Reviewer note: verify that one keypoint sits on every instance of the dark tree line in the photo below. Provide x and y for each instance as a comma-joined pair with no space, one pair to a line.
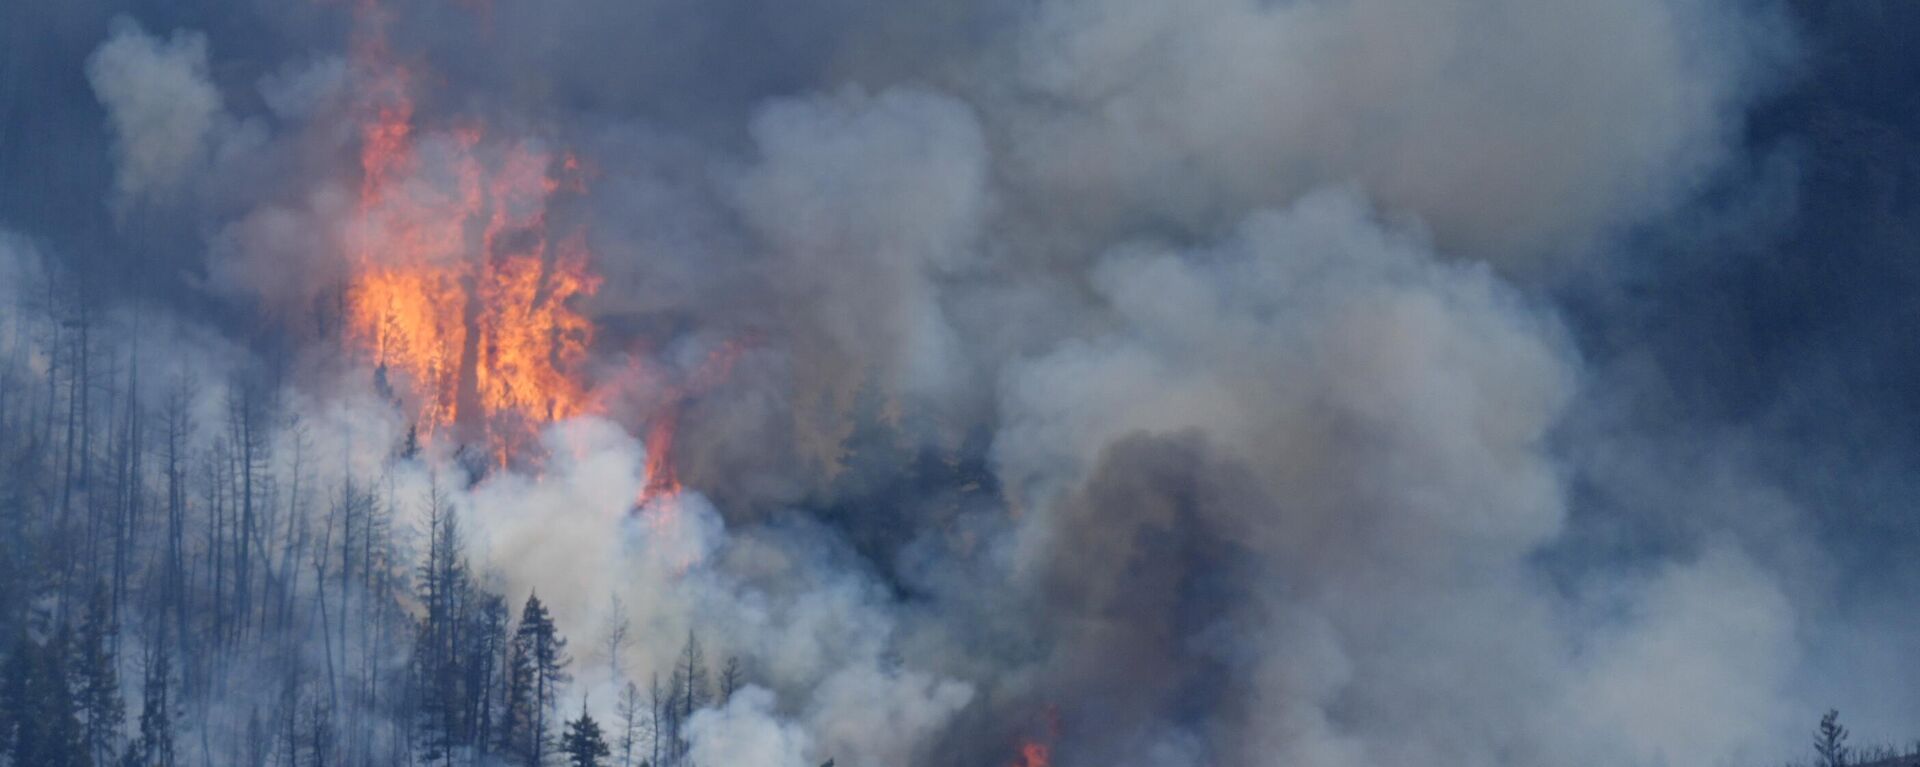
1830,749
186,579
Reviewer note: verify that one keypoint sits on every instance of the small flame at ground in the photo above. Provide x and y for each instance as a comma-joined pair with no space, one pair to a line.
1037,751
1033,754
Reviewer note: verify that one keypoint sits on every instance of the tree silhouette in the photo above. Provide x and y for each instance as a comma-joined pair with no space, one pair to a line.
1830,741
583,743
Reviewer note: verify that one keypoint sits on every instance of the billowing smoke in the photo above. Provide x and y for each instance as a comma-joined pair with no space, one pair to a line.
162,107
1510,129
1230,382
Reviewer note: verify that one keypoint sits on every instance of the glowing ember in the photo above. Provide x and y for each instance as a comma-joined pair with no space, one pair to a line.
457,293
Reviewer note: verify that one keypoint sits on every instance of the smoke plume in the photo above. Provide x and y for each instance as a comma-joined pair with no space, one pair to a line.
1128,383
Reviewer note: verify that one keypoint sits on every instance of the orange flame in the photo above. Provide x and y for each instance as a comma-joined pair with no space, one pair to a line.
457,294
661,477
662,480
1033,754
1037,751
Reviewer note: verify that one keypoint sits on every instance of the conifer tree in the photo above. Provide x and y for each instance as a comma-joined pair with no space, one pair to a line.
155,747
516,703
40,727
538,668
97,684
583,743
486,644
1830,741
439,649
16,691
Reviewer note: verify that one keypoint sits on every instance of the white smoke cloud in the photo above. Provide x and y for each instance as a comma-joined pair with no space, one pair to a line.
747,733
801,622
22,272
1352,433
297,90
1511,128
869,202
869,717
1697,673
1311,330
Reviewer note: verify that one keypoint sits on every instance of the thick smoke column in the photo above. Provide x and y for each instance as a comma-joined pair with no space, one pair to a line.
1076,382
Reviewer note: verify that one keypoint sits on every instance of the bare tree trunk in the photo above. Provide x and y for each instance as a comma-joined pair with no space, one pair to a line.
129,526
320,597
76,398
296,532
217,545
241,413
177,427
53,370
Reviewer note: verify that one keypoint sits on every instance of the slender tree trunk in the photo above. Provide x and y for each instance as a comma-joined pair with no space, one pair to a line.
176,512
320,597
130,525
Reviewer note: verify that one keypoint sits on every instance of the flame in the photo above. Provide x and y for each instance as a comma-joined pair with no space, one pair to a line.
1033,754
1036,750
662,480
458,294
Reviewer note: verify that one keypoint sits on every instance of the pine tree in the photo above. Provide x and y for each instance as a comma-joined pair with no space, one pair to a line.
64,741
41,727
1830,741
16,693
516,703
155,747
538,668
486,642
583,744
439,661
687,692
97,683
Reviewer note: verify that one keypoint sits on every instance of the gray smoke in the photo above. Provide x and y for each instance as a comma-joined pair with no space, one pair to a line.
1244,310
163,109
1510,128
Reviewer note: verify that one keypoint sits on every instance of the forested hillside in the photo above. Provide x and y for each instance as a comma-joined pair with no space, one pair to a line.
186,580
920,383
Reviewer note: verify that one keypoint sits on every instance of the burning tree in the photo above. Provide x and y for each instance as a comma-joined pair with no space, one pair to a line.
458,294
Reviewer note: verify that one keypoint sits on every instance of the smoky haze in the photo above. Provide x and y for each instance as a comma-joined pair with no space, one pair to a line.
1232,382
